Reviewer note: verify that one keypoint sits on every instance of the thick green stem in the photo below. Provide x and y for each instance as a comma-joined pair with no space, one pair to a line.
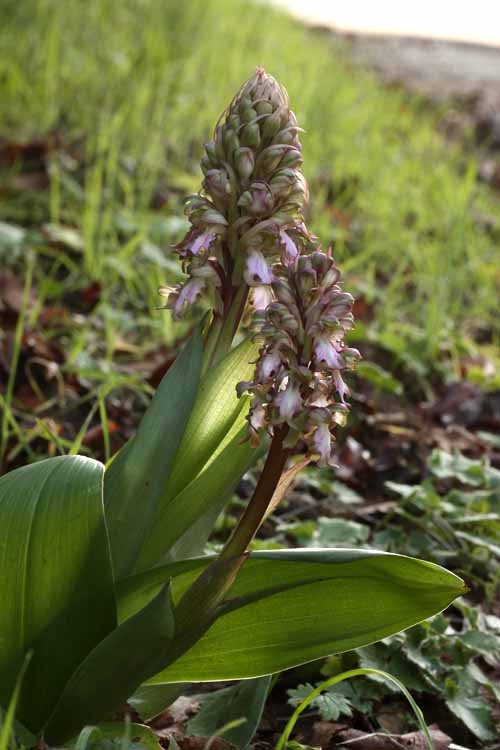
198,607
222,330
211,339
256,509
231,322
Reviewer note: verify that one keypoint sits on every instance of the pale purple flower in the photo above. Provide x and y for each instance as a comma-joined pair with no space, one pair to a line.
340,386
298,379
202,241
322,443
188,295
291,251
289,400
257,417
257,271
269,365
326,353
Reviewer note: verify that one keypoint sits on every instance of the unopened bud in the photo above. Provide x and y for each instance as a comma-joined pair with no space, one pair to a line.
258,200
292,158
231,142
244,162
320,262
217,183
205,164
250,135
264,108
283,292
211,150
249,114
219,145
282,182
233,122
272,124
270,158
289,136
214,217
306,281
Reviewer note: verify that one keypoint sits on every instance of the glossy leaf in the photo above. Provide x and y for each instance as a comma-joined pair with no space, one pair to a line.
288,607
151,700
55,575
136,480
245,700
205,496
216,409
115,735
113,670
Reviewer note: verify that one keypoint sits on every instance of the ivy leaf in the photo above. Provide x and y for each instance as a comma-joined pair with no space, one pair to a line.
483,643
463,701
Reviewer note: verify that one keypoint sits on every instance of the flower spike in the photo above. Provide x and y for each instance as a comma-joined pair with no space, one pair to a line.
249,212
298,379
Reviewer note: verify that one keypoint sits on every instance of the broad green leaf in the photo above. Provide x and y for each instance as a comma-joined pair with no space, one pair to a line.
55,575
136,480
245,700
115,735
288,607
114,669
151,700
216,409
463,699
206,495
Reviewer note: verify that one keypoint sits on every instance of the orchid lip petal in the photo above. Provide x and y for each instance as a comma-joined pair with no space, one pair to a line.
326,353
202,242
188,295
289,401
323,442
291,251
257,272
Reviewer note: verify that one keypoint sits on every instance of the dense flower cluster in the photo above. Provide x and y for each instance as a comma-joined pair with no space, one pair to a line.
250,209
298,379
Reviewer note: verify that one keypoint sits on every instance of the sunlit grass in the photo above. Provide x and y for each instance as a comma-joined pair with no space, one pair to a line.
136,87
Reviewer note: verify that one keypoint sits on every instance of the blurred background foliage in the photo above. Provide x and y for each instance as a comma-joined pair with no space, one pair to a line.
125,95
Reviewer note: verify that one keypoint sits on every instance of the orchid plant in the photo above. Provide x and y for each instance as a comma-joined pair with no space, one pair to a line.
102,568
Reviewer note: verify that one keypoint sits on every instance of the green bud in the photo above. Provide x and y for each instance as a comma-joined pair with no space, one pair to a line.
245,162
245,103
248,115
271,125
214,217
219,146
264,108
306,281
292,158
320,262
283,292
288,136
205,164
270,158
196,204
233,122
217,183
211,150
245,199
231,142
250,135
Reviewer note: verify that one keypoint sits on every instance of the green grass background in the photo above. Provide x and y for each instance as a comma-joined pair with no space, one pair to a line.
136,87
